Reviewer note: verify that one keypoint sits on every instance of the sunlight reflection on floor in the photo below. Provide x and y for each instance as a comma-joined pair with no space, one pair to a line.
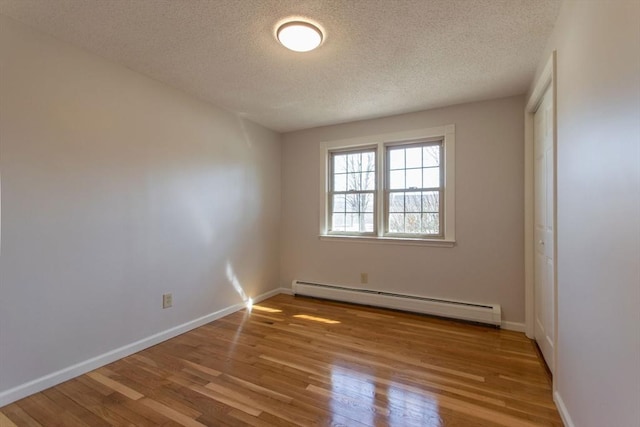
351,388
389,404
316,318
408,404
266,309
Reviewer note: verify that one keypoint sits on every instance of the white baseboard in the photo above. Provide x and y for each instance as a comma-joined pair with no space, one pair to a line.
464,310
562,409
509,326
54,378
512,326
270,294
287,291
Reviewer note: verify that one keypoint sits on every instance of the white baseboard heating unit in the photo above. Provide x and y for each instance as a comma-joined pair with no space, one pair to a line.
481,313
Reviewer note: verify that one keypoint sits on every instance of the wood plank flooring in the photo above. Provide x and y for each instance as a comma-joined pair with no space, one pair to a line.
296,361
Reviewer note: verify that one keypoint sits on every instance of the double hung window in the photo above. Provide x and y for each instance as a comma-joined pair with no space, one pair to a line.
414,190
390,187
352,194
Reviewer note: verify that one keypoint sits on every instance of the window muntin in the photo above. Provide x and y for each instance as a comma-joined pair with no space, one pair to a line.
352,192
414,189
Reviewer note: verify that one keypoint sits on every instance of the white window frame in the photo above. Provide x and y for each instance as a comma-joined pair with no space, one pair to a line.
381,141
330,193
388,190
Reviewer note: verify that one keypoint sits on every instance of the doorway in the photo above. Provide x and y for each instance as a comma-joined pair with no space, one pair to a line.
544,228
540,215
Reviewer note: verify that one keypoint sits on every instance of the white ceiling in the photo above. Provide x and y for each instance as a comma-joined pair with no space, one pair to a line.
379,57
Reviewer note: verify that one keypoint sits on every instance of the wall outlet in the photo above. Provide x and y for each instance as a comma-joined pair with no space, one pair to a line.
364,278
167,300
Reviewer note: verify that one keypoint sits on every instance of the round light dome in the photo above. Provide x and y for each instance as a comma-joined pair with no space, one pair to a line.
299,36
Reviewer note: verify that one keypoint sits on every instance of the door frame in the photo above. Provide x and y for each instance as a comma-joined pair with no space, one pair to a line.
548,78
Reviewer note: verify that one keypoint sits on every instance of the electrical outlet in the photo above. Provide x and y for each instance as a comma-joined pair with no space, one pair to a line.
167,300
364,278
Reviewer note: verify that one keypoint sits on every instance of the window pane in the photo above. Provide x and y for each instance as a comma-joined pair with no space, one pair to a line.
353,222
360,223
396,159
352,203
396,179
396,202
431,155
366,202
369,181
414,178
430,223
354,162
412,223
338,222
368,162
368,222
431,201
340,182
339,163
431,177
396,223
354,182
338,203
414,157
413,202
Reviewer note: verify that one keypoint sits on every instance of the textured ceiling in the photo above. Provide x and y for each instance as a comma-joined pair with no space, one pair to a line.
379,57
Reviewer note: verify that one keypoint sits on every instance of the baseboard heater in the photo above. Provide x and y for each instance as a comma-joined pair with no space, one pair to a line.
481,313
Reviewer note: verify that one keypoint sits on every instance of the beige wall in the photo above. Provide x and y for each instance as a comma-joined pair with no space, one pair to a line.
598,349
486,265
116,189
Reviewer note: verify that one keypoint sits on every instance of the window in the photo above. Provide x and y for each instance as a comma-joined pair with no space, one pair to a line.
352,191
394,187
414,189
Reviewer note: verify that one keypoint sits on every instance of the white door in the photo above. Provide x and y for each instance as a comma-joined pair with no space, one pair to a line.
544,198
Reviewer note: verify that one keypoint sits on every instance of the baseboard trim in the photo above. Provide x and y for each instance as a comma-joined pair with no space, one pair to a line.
562,409
269,294
287,291
509,326
512,326
50,380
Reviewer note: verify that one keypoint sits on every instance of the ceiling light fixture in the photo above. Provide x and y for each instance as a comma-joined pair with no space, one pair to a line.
299,36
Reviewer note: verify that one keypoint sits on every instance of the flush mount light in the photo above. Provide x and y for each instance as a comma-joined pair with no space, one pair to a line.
299,36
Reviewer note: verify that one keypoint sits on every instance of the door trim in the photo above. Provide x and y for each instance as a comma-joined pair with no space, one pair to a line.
548,78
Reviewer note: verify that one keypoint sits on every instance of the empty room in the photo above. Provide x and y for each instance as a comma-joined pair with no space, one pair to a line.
320,213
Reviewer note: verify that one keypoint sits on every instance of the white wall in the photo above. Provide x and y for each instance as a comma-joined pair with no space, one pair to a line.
598,359
116,189
486,265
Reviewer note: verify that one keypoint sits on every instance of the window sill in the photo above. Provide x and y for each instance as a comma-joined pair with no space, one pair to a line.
389,240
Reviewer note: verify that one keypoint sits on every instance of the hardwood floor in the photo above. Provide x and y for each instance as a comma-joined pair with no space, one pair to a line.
304,362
